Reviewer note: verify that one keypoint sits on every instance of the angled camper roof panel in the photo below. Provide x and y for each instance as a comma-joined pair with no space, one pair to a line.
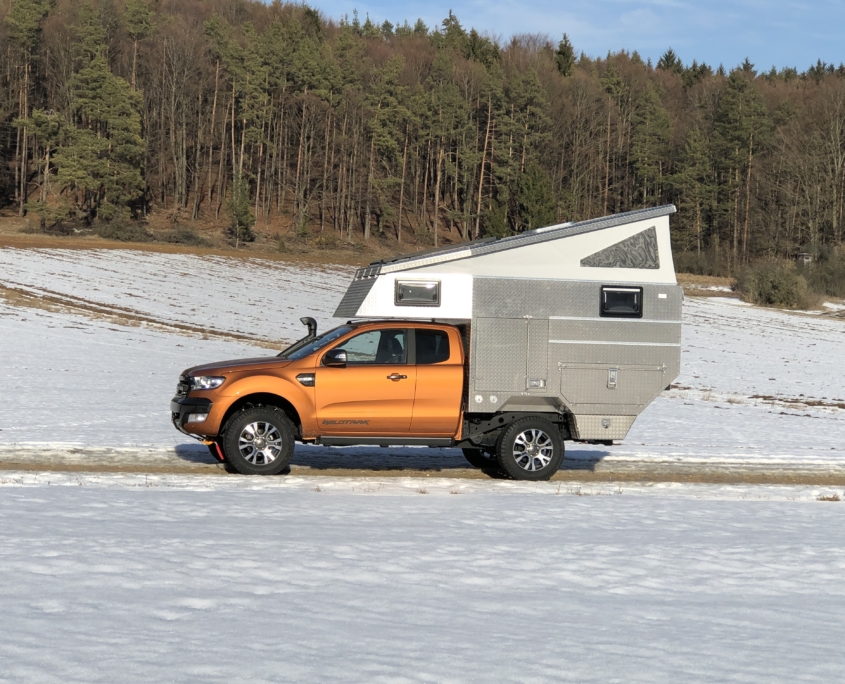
539,235
630,247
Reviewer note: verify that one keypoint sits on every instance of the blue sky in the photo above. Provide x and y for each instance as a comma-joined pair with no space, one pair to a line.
777,32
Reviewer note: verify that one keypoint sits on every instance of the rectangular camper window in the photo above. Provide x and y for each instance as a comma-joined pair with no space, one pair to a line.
622,302
417,293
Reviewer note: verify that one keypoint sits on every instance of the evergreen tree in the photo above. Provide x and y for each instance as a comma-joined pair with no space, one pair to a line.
138,24
535,198
649,144
387,123
241,219
741,126
24,21
100,158
565,56
694,185
669,61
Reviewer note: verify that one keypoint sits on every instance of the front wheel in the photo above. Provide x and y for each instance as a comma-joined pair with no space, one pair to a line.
530,449
259,441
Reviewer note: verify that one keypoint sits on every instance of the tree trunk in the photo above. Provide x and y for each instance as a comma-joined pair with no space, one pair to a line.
402,186
437,190
211,127
747,199
369,189
481,172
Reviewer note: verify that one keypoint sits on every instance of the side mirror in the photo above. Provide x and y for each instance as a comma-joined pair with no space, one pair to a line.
335,358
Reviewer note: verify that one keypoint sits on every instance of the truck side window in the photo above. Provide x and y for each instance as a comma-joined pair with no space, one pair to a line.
376,347
432,346
622,302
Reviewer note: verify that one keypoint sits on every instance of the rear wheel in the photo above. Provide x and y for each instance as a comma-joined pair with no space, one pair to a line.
530,449
259,441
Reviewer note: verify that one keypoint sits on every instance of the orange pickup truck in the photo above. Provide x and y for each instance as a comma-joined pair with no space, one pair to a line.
378,383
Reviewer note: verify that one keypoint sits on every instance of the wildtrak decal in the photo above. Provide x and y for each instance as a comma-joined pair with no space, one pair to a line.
346,422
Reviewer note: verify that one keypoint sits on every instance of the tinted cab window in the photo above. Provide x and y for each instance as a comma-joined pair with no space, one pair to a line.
432,346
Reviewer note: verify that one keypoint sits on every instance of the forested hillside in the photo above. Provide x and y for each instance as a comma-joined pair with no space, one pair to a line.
274,115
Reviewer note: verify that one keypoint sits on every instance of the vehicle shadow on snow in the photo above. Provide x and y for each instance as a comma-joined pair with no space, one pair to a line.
194,452
387,458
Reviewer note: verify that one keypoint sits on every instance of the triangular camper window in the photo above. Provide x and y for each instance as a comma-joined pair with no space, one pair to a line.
637,251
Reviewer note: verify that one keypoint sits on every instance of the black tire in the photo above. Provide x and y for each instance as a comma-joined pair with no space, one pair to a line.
271,429
530,448
479,459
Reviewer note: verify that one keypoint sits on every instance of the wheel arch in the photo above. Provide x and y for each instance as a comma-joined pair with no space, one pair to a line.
258,399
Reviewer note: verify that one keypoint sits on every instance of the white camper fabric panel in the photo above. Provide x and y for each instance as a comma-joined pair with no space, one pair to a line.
455,297
561,259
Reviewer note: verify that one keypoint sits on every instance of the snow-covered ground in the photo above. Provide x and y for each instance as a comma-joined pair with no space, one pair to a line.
256,297
152,584
206,577
757,386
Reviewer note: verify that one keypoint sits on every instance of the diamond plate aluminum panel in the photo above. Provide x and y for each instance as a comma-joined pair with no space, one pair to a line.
631,331
603,427
537,366
498,360
582,384
645,352
518,297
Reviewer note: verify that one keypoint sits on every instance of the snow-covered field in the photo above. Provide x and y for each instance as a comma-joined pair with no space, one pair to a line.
151,584
255,297
212,578
757,386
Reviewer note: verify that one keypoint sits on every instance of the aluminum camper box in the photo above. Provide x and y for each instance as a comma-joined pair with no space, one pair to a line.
580,319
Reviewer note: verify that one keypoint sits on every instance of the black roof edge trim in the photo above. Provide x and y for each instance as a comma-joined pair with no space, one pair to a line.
435,250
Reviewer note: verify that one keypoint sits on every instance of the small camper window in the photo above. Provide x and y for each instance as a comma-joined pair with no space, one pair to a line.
417,293
622,302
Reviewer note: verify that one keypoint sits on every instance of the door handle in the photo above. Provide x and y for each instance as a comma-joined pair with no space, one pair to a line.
396,376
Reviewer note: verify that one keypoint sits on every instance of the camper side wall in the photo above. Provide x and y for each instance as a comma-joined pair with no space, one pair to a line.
551,346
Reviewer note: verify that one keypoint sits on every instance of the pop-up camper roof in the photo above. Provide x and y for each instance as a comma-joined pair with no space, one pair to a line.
633,247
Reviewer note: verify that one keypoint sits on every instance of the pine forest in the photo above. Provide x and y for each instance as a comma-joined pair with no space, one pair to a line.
272,118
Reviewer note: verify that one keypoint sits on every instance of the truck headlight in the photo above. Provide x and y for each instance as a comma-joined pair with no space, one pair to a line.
206,382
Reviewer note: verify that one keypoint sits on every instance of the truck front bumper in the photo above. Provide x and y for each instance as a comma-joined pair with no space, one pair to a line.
186,410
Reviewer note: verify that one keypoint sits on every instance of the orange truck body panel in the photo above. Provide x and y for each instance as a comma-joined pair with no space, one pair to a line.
365,400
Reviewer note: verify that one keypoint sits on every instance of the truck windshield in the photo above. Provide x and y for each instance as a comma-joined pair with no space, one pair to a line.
317,343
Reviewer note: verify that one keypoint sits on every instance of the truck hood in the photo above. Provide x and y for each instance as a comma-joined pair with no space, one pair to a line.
238,365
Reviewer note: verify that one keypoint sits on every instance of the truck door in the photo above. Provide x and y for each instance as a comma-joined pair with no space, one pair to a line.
374,393
440,382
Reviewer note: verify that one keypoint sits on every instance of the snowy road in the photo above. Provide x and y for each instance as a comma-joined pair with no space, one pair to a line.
148,584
